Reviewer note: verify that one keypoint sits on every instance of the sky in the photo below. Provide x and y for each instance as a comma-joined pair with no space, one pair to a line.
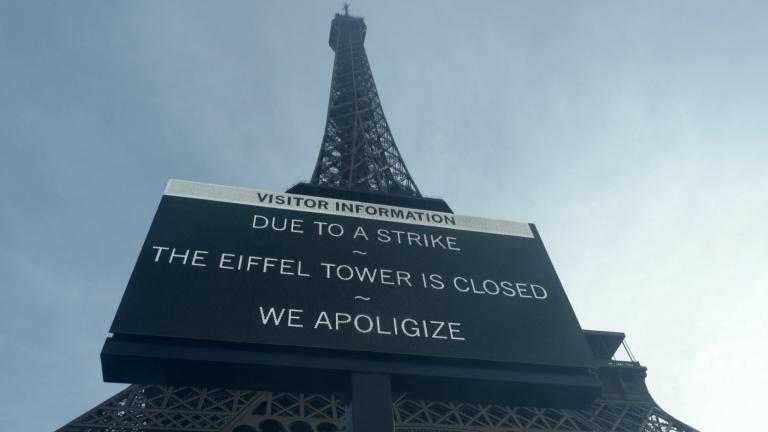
633,134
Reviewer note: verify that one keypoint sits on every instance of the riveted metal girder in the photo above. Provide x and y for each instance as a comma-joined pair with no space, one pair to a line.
358,151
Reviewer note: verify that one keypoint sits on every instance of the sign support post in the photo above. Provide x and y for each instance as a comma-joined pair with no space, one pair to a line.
369,408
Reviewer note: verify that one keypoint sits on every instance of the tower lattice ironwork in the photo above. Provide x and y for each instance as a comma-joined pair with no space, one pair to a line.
358,151
624,406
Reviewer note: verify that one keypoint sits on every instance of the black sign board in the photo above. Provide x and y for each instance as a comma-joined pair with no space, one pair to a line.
225,264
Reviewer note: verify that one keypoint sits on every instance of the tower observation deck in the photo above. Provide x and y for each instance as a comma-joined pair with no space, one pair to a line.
359,160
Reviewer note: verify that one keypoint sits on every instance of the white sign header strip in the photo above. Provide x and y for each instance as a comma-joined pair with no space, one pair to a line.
286,201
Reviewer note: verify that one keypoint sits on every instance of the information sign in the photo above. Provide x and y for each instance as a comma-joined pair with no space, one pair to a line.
247,266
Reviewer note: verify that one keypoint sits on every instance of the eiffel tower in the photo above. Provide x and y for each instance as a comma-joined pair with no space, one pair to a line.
358,150
358,155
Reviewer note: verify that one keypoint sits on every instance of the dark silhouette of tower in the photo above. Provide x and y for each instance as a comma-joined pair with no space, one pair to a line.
624,405
358,151
358,159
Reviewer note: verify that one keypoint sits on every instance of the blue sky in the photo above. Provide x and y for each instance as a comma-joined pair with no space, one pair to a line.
632,133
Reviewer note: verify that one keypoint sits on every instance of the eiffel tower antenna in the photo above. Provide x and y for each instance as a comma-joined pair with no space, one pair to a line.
358,151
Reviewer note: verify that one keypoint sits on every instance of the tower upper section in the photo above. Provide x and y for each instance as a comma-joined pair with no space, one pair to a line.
342,23
358,151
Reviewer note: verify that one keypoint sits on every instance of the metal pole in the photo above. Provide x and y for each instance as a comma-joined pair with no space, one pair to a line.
369,408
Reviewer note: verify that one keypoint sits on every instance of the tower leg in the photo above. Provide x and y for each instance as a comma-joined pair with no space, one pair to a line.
369,408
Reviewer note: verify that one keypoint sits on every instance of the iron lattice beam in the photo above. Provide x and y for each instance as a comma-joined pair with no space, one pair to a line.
358,151
151,408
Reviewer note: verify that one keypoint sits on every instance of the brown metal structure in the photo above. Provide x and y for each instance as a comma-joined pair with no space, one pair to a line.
624,406
358,151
